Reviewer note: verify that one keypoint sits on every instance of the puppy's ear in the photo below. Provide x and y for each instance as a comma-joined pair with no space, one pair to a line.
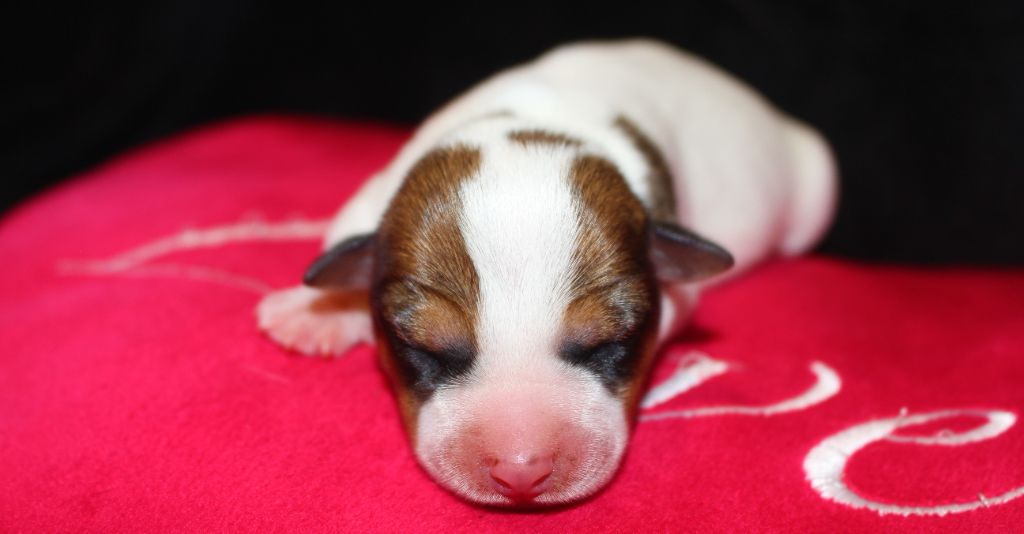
683,256
346,266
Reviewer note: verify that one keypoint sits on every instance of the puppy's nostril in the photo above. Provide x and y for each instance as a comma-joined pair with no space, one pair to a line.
522,480
504,485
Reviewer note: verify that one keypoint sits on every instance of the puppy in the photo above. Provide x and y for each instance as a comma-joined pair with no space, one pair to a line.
521,259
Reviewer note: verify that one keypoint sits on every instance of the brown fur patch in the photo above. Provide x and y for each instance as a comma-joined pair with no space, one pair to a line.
428,277
407,403
426,318
663,199
611,287
634,389
543,137
426,287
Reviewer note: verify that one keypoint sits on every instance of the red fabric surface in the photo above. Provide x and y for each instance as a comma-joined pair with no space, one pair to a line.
143,398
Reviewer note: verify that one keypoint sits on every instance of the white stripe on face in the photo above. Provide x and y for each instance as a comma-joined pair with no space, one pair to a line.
520,228
519,222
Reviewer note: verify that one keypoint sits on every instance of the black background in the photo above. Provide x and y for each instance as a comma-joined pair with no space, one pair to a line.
921,101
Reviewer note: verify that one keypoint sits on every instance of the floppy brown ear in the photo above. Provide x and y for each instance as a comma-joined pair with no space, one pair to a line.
346,266
683,256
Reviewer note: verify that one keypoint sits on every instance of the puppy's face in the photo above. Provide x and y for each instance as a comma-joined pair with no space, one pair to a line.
515,301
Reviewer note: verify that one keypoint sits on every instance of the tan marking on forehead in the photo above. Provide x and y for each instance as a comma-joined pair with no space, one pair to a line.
591,319
426,286
424,263
611,287
659,178
427,319
543,137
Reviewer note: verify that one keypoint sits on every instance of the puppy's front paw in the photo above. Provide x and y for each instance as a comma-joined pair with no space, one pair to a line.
315,322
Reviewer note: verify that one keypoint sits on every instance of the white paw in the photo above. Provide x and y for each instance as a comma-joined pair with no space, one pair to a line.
313,322
677,303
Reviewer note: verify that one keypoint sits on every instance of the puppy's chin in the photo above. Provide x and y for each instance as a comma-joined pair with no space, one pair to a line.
524,444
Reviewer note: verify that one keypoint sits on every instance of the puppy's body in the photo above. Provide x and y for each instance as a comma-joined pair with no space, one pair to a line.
522,258
745,176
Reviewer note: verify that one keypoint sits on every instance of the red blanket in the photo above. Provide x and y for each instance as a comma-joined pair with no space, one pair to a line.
136,393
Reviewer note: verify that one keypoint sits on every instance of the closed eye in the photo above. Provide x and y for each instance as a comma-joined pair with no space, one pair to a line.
427,370
582,354
612,362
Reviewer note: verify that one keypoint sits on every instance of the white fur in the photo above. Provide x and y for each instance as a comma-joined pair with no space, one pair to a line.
289,317
519,226
519,221
581,402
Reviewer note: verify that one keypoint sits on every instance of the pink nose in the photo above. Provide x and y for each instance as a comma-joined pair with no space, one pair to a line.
521,479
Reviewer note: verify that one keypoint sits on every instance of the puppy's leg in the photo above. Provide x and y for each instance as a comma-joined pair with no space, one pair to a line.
813,191
316,322
677,301
321,321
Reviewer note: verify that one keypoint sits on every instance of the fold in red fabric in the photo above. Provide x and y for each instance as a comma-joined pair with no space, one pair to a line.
137,395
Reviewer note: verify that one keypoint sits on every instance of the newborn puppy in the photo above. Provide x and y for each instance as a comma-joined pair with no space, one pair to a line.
521,259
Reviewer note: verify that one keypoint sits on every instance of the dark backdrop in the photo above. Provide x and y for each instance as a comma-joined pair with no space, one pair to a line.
922,102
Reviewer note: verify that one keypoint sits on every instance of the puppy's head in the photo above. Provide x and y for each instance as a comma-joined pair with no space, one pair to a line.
515,299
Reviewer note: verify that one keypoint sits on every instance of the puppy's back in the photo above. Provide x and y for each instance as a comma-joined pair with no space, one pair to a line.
743,174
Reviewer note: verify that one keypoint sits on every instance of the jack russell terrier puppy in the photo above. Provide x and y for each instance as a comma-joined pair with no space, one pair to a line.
523,256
